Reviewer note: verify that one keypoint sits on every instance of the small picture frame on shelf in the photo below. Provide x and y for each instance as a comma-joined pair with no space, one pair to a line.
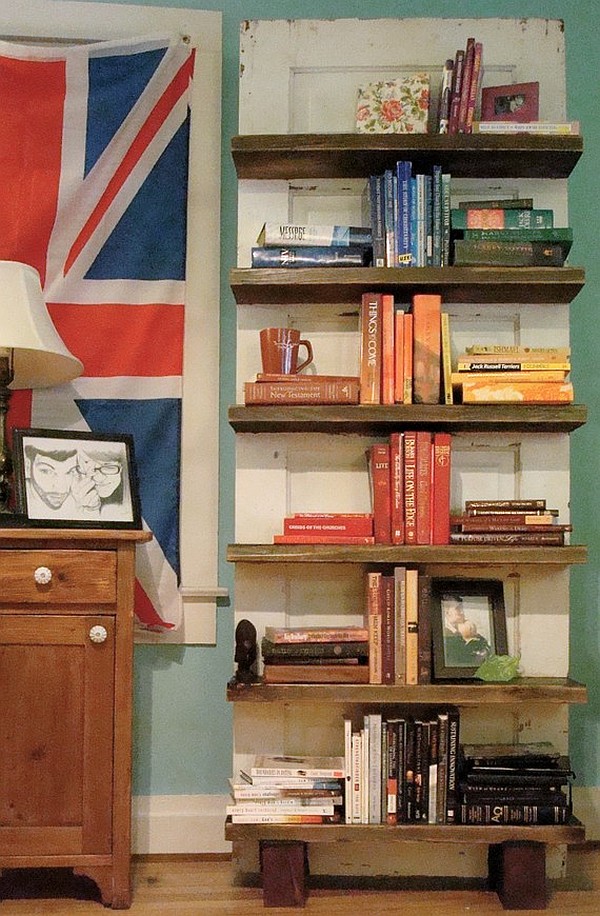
67,479
514,102
468,625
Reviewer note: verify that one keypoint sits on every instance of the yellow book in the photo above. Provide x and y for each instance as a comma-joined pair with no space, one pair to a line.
491,392
446,358
412,626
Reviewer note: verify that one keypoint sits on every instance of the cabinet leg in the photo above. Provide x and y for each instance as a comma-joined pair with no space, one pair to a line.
517,872
284,866
111,894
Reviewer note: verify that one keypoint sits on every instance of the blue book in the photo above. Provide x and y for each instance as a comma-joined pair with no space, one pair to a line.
377,221
310,256
403,174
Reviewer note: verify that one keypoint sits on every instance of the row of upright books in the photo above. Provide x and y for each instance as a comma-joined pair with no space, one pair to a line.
460,89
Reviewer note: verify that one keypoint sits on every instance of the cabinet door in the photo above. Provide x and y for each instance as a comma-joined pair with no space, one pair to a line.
56,734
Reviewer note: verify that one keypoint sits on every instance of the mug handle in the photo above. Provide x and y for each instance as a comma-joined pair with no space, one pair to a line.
309,357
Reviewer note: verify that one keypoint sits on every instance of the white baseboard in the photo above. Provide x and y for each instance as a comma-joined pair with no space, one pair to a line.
171,824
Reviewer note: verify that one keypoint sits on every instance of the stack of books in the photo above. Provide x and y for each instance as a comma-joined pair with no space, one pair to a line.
410,487
508,521
487,374
301,389
404,353
514,784
327,528
460,89
507,233
289,790
294,246
315,655
402,769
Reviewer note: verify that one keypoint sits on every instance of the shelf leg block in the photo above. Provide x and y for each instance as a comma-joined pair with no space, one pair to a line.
517,872
284,865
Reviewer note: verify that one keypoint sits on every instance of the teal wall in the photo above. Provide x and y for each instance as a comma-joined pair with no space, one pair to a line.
182,722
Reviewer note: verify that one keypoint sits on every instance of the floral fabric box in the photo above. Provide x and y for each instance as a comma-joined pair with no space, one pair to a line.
398,106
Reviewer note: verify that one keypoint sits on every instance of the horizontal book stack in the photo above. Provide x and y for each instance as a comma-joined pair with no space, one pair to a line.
514,784
289,790
409,478
302,389
507,233
398,622
409,216
508,521
295,246
514,374
327,528
402,769
315,655
460,89
404,353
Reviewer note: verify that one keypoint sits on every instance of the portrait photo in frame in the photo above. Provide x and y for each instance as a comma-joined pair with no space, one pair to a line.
468,625
514,102
67,479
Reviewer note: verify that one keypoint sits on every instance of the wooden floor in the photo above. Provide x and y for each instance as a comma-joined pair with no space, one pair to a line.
176,886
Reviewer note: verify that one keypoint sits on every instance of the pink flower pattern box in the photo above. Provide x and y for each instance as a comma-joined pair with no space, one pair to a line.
398,106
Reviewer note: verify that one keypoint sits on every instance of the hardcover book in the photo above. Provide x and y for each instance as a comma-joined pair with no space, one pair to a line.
331,525
502,218
300,765
486,392
316,634
327,650
441,472
282,234
426,310
323,537
310,256
481,252
510,203
378,460
301,392
316,674
371,344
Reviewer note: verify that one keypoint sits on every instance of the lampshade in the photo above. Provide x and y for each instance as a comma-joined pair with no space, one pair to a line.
40,358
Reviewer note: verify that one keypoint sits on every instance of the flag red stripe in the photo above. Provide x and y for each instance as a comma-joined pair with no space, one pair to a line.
146,340
30,156
156,118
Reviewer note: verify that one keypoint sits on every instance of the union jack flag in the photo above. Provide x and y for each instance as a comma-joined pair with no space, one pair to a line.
93,194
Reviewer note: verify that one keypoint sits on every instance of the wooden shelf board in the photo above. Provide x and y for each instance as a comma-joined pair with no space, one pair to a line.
378,420
498,285
573,832
453,554
457,693
286,156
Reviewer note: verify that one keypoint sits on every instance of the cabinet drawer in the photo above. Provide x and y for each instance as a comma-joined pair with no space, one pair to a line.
57,577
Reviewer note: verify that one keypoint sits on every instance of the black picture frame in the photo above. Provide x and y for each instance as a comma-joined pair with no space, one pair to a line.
460,646
73,479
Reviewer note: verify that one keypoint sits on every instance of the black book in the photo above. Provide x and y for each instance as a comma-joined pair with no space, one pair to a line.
513,814
307,650
541,754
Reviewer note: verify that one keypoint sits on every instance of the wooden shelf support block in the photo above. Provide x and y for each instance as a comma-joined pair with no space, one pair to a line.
284,866
517,872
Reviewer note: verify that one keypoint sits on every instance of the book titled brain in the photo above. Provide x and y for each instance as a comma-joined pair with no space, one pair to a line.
397,106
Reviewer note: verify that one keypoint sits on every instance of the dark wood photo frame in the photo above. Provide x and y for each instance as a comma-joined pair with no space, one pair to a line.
468,624
67,479
514,102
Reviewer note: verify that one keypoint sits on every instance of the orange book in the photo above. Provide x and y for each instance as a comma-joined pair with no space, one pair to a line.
375,625
315,674
408,358
427,339
423,486
440,489
388,375
486,392
378,458
399,357
370,348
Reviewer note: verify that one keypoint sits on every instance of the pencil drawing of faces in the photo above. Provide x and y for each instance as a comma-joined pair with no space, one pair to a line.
103,470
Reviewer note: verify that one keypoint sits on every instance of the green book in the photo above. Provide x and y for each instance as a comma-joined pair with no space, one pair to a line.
562,236
479,252
502,219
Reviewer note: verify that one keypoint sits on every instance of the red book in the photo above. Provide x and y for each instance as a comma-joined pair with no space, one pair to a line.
374,622
329,526
370,348
457,79
465,91
378,457
427,350
315,537
408,358
388,377
410,487
423,487
388,638
440,490
397,487
399,357
475,84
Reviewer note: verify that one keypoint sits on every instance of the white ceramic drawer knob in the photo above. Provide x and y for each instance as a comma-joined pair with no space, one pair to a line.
42,575
98,634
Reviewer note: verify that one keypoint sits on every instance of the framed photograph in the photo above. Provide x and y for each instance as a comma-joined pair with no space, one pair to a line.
516,102
468,624
68,479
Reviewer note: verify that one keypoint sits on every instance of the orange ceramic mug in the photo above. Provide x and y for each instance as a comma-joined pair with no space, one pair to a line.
279,351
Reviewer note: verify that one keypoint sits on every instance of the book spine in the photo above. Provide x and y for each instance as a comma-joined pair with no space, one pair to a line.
276,234
446,207
388,639
348,771
466,86
408,357
508,364
445,96
508,254
479,524
420,764
426,310
506,505
513,814
501,218
380,481
391,782
510,203
356,777
542,375
436,204
377,225
423,487
440,813
551,539
559,234
354,526
403,175
370,348
315,674
316,634
412,627
309,256
521,392
433,771
452,767
400,608
304,392
391,246
476,75
424,632
279,806
409,772
397,486
387,349
410,487
457,81
446,358
399,356
327,650
532,127
375,725
441,470
375,623
283,819
323,538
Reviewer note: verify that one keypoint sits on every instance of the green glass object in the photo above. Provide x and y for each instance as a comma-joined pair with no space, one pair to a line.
499,668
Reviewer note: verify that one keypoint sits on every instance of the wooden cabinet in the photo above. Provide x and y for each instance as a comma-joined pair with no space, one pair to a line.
66,619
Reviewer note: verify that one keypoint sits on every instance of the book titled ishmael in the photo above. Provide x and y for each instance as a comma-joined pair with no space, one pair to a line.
291,234
314,767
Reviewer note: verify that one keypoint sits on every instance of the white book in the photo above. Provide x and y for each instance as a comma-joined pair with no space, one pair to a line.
301,765
527,127
276,234
279,807
375,768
